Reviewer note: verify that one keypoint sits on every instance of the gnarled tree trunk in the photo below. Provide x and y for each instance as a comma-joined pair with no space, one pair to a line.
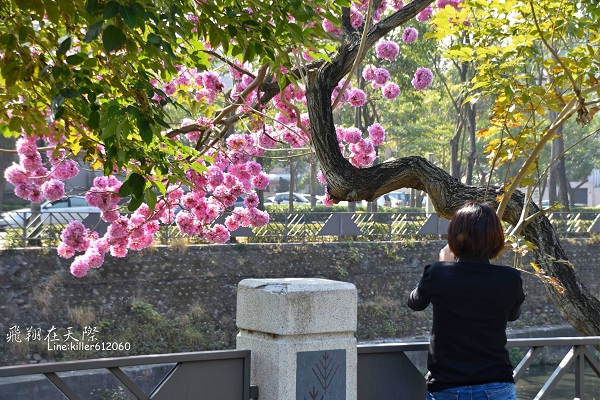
345,182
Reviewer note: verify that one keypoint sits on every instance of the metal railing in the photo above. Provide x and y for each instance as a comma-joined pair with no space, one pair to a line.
385,371
223,375
22,231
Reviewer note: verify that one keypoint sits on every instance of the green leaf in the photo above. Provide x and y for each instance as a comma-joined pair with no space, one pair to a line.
93,32
128,15
110,9
15,124
154,39
91,6
11,71
145,129
53,12
56,106
509,92
64,46
76,59
112,38
151,198
69,93
94,120
124,190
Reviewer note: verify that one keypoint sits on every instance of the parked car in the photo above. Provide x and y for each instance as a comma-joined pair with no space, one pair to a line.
284,198
58,212
393,199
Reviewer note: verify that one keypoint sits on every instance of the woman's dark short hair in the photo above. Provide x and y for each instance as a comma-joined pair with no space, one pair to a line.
475,231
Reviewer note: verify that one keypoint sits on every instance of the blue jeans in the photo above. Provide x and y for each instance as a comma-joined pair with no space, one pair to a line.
488,391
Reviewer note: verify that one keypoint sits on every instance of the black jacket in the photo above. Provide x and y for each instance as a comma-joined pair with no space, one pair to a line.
472,302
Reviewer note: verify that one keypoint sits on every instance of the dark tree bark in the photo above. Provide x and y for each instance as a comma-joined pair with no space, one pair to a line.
345,182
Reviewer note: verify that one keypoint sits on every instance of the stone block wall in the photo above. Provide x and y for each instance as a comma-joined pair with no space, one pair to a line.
36,288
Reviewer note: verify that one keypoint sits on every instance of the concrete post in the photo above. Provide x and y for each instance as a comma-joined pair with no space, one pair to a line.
301,336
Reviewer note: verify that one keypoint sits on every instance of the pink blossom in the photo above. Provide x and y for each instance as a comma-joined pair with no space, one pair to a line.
382,75
170,89
93,257
260,181
441,4
66,169
396,4
362,159
321,177
376,134
217,234
64,250
352,135
327,200
110,215
22,191
387,50
140,242
118,229
369,72
215,176
191,200
390,90
187,223
253,168
266,140
257,217
119,251
356,18
32,162
232,222
212,82
410,35
329,27
423,78
35,195
53,189
357,98
425,14
251,201
192,17
235,72
79,267
26,147
74,236
16,175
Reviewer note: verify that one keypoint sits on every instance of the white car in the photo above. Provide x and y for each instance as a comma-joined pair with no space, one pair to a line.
58,212
284,198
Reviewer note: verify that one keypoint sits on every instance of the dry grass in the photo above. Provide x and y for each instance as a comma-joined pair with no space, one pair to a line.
179,244
82,316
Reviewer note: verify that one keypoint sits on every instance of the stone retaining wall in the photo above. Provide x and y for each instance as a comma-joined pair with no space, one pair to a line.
37,290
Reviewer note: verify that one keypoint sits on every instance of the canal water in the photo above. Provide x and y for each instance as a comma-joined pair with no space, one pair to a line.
536,377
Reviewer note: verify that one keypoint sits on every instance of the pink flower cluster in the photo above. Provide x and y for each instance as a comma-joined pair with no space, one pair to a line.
410,35
441,4
360,151
32,180
425,14
423,78
387,50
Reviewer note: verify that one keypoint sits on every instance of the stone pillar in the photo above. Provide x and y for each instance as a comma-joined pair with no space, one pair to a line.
301,336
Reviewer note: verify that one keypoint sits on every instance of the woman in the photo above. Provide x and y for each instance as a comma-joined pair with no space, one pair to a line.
472,301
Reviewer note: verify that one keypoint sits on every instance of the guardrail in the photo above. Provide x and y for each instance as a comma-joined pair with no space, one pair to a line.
45,228
223,375
385,372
